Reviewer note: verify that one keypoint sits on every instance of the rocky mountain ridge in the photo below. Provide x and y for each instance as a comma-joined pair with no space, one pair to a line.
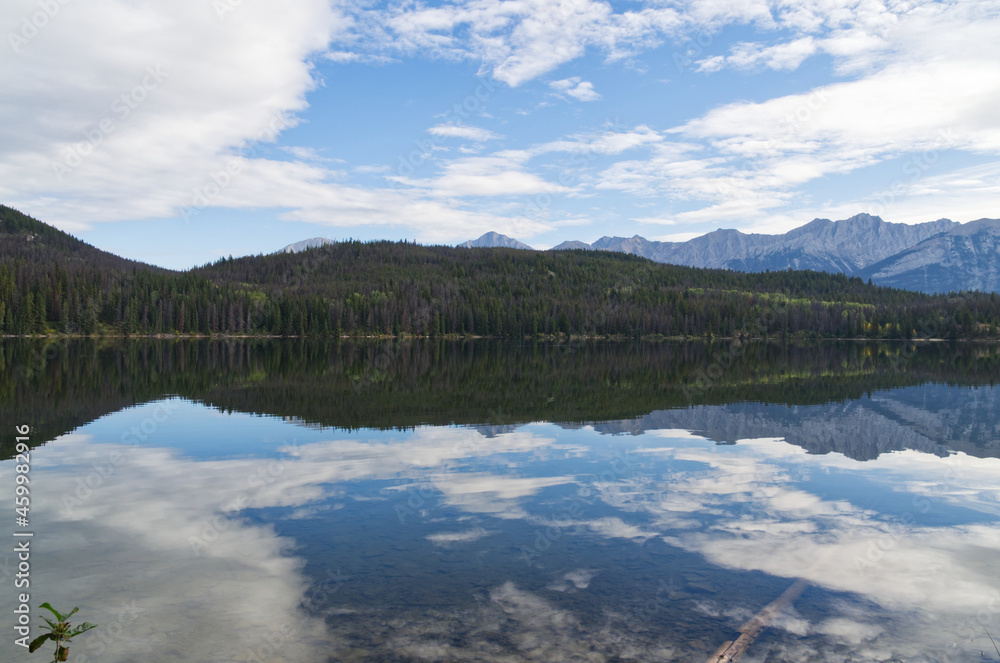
935,257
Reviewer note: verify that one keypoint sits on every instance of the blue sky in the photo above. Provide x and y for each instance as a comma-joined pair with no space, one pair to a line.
181,132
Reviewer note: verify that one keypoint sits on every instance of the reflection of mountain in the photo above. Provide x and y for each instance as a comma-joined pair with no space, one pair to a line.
934,418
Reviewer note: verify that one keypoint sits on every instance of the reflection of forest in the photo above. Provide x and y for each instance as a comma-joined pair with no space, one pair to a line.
57,385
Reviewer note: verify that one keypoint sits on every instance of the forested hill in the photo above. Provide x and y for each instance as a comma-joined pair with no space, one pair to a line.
356,288
31,241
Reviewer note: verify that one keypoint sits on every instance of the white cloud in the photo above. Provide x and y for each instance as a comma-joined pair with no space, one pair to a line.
499,174
616,528
613,141
200,87
753,513
746,161
343,57
466,536
581,577
848,630
193,134
574,87
476,134
499,496
519,41
309,195
305,153
187,514
135,515
784,530
748,55
711,64
919,196
922,98
123,108
426,448
507,173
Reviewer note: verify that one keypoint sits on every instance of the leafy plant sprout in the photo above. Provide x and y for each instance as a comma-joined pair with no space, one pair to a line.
60,631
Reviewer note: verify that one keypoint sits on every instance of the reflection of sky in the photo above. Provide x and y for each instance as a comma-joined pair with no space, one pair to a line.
535,544
201,432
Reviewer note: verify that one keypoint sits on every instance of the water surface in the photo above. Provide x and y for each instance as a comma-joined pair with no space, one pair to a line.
245,501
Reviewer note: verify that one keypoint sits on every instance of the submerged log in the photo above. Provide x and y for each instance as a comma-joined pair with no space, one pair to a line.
732,650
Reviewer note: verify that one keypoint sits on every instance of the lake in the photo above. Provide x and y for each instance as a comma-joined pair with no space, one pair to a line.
311,501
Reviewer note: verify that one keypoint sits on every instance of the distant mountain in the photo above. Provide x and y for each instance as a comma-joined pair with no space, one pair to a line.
933,257
307,244
831,246
964,258
573,244
492,240
938,256
823,245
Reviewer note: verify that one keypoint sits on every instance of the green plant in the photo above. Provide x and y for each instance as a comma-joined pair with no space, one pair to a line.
60,631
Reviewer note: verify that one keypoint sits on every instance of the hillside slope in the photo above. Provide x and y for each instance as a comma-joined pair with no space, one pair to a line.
32,241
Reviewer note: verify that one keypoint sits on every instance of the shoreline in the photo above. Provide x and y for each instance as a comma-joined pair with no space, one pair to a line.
562,338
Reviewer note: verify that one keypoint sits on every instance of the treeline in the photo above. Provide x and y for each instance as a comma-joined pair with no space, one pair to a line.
52,283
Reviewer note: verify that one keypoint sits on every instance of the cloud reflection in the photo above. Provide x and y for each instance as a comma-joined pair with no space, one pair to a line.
169,532
173,534
935,575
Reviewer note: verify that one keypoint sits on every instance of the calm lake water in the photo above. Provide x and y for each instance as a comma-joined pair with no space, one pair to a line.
428,501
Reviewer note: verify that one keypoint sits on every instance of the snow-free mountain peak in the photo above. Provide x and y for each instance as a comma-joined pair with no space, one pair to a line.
311,243
495,240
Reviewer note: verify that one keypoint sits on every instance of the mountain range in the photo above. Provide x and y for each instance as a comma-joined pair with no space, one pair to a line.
935,257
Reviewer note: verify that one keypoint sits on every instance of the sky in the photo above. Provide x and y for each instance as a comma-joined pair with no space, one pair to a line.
181,132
